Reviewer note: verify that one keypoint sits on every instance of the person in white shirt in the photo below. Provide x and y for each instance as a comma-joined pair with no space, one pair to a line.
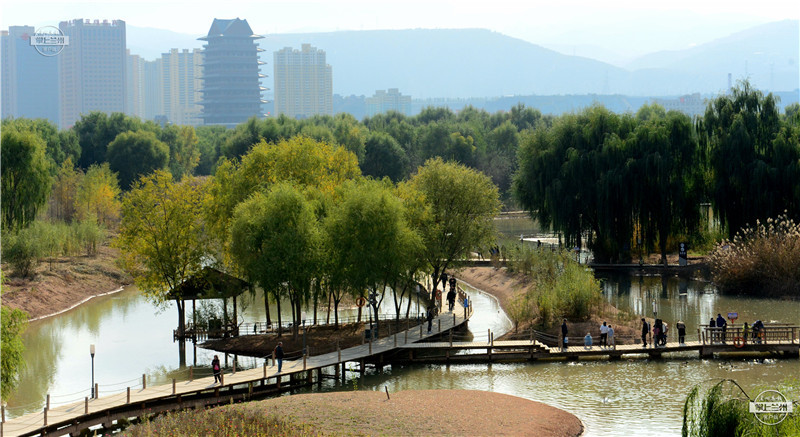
603,334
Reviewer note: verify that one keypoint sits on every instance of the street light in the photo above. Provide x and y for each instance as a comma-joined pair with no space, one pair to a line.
91,351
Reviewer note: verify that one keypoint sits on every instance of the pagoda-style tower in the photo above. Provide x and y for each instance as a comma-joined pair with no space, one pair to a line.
231,79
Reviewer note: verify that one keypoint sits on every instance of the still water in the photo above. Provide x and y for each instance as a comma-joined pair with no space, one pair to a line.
634,397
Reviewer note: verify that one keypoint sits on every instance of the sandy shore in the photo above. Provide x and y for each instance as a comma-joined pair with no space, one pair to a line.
423,412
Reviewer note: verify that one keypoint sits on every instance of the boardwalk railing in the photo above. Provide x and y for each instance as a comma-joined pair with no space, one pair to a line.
737,335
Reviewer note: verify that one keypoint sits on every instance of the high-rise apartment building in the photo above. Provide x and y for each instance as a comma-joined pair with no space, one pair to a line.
391,100
134,88
181,83
29,79
92,68
303,82
231,91
152,90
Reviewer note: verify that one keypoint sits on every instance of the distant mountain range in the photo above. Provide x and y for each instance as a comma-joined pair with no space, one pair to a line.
460,63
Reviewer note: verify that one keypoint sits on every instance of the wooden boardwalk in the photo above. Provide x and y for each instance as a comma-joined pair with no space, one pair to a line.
71,419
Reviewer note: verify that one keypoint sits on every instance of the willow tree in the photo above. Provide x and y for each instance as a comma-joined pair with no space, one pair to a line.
668,177
370,245
574,178
25,179
453,208
738,132
275,239
162,236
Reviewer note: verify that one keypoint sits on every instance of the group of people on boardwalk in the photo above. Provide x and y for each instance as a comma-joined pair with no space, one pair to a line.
451,297
660,329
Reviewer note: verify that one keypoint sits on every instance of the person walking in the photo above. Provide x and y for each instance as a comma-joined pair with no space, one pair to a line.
610,339
603,334
451,299
564,331
453,282
645,330
444,280
278,354
681,332
712,324
430,319
215,367
587,341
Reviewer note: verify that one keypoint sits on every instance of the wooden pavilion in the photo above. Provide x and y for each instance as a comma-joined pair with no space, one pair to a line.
209,283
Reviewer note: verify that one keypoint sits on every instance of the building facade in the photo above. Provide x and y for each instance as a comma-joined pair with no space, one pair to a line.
231,89
303,82
92,69
181,86
29,79
390,100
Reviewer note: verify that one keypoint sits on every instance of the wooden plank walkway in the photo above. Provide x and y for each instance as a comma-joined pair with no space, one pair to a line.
71,414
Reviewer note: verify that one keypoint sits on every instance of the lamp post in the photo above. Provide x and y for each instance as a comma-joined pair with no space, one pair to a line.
91,351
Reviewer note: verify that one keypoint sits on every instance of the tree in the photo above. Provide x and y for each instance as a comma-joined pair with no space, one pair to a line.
26,178
97,196
384,157
97,130
65,188
275,238
161,236
452,209
14,322
209,144
738,131
369,223
183,151
60,145
134,154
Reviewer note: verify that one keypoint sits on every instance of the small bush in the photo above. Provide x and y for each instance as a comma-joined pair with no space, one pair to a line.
22,251
760,260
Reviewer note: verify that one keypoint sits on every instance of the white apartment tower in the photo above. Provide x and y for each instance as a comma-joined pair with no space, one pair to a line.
303,82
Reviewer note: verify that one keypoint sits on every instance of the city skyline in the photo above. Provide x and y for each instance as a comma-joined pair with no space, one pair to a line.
602,31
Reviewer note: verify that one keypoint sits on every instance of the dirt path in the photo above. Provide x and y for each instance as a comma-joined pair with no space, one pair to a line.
68,283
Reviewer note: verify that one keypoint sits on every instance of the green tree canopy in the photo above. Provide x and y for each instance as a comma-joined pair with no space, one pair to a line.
275,239
161,235
384,157
452,209
136,153
26,180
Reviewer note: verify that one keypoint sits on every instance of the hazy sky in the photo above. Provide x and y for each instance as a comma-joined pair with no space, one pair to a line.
622,28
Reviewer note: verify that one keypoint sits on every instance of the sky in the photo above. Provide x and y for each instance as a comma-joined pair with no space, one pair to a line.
612,30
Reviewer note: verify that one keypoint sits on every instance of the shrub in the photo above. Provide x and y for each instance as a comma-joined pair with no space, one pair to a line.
760,260
22,252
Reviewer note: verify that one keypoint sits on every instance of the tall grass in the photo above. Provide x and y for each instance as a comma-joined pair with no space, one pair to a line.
228,421
559,286
23,249
723,410
761,260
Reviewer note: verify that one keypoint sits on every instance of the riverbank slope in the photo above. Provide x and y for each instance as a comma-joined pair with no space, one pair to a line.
64,283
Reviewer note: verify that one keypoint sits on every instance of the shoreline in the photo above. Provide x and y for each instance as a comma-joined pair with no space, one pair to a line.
34,319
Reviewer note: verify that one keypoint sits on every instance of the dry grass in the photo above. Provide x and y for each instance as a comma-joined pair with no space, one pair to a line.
762,260
406,413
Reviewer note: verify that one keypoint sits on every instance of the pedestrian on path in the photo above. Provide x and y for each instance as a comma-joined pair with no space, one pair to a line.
587,341
610,340
430,319
603,334
645,330
217,369
681,332
564,331
444,280
278,354
451,299
722,323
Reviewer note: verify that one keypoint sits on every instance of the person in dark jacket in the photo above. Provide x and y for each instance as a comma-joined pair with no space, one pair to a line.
451,299
278,354
681,332
564,331
217,369
430,319
645,330
722,323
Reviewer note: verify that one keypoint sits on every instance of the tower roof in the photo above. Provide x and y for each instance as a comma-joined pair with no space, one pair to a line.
232,27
